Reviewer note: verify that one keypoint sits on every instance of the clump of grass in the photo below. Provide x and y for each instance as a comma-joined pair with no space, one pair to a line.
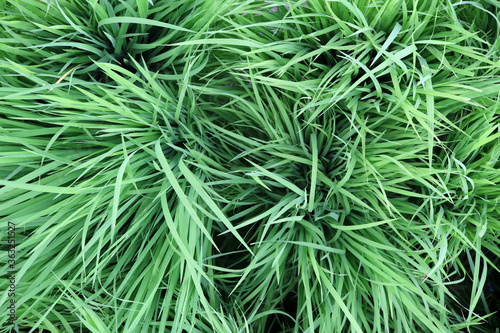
65,36
251,166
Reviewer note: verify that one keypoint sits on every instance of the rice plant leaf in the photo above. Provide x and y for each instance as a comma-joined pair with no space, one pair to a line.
142,21
392,36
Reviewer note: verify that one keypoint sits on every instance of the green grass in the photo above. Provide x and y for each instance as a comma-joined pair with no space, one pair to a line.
183,166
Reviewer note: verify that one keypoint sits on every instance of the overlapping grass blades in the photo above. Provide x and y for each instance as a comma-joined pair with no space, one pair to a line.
251,166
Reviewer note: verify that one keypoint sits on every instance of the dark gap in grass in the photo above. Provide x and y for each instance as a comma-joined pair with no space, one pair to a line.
281,323
327,59
491,290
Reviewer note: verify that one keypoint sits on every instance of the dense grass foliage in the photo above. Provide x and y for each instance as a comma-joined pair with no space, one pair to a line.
202,166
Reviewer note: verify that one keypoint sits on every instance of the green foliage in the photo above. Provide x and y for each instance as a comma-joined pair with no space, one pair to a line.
249,166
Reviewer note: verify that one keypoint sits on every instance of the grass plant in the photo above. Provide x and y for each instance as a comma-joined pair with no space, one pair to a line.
251,166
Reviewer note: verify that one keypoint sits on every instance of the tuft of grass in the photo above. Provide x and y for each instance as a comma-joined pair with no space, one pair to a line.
251,166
